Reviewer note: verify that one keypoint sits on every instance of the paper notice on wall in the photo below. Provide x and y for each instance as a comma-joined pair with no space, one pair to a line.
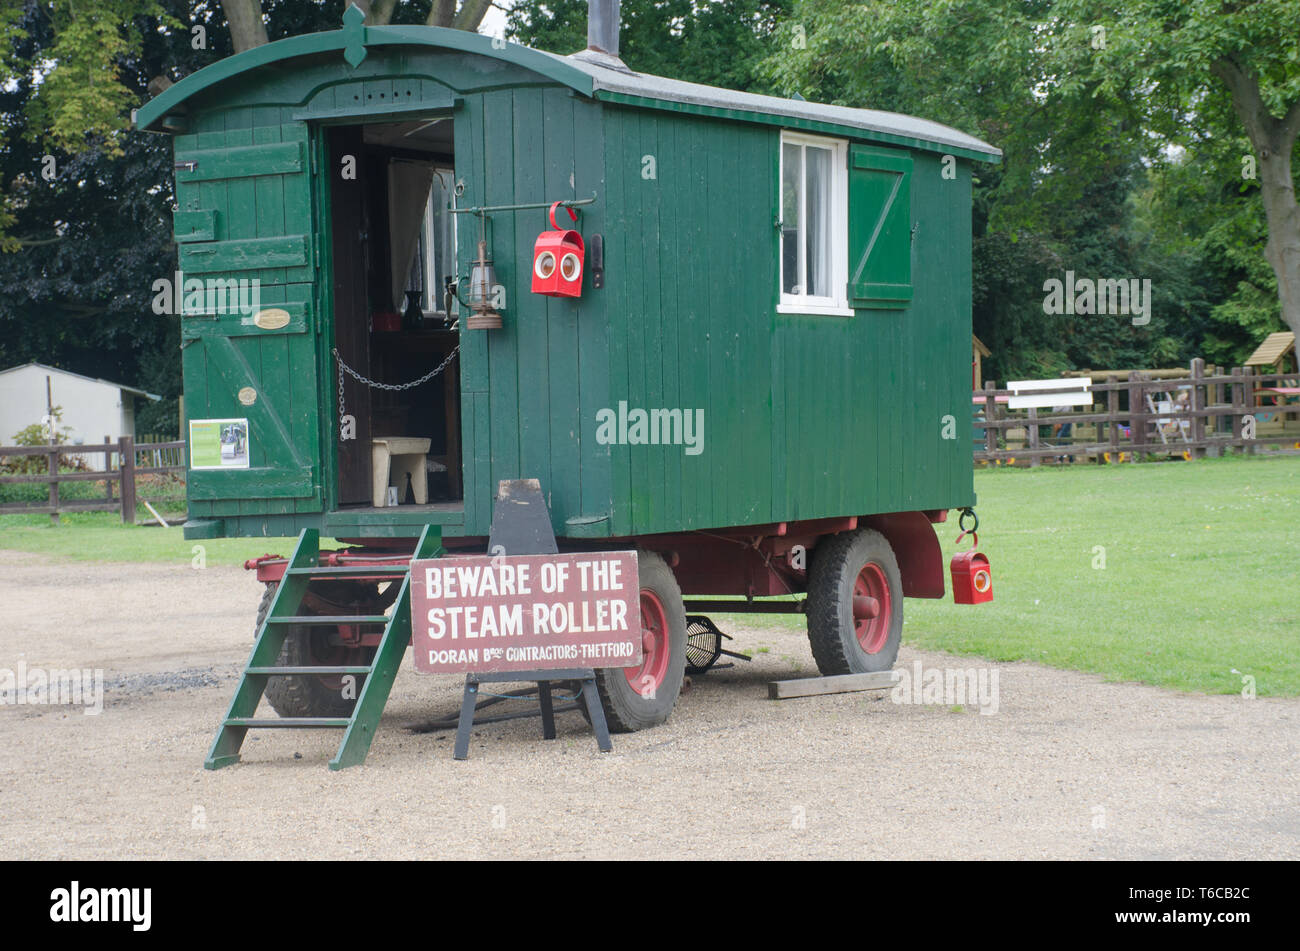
219,444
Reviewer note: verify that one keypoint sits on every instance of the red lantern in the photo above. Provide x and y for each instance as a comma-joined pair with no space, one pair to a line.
972,580
557,260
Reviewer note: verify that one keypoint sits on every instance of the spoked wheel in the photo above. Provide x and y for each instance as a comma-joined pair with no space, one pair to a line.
703,644
855,604
328,695
636,698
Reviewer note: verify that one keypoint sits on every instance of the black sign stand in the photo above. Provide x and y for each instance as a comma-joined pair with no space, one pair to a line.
521,525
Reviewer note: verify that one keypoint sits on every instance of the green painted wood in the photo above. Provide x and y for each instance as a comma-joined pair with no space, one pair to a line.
281,723
266,648
250,61
388,657
279,465
353,522
695,316
242,162
225,352
591,324
564,440
529,348
249,254
805,417
195,225
621,286
880,220
300,311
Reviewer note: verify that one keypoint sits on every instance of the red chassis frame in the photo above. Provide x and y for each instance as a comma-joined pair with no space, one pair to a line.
755,561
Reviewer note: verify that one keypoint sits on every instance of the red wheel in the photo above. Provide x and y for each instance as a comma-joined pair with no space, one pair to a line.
872,608
636,698
855,604
655,652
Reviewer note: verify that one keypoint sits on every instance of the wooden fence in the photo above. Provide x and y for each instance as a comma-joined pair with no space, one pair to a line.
124,462
1193,415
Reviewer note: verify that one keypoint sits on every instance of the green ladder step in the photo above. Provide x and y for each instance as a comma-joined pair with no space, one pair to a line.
359,728
304,671
351,571
319,619
291,723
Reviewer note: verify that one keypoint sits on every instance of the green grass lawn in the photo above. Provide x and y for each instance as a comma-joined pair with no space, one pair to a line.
1201,574
101,536
1201,570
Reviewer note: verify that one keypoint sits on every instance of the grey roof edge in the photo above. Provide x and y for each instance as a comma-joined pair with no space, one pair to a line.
81,376
646,86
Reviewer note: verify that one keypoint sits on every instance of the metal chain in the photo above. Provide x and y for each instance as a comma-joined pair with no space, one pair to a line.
392,387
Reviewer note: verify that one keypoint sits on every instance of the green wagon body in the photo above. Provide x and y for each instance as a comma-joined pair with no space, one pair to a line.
805,416
834,431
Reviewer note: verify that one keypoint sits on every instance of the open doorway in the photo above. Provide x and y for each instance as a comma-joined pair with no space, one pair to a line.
394,264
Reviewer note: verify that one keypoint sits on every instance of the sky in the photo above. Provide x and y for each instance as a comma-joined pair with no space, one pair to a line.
494,22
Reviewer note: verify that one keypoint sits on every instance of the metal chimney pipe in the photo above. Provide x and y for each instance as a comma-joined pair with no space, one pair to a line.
602,26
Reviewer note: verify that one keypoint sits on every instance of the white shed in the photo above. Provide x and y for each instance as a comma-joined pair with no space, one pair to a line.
92,409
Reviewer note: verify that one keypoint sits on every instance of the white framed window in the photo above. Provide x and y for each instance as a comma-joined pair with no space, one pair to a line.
814,202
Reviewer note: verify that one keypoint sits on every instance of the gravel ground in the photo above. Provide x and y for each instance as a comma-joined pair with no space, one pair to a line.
1068,767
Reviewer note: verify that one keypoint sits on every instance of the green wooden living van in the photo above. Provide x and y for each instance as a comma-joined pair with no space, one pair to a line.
764,381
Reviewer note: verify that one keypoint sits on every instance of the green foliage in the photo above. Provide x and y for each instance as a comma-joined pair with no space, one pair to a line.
82,96
41,433
1122,155
92,238
719,43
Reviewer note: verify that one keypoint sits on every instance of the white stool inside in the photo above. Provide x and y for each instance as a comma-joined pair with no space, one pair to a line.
392,457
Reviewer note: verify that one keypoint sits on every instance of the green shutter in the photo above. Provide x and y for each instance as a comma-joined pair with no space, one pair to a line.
880,228
245,213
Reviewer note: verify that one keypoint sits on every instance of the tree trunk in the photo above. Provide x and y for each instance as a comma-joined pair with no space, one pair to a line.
378,12
1273,140
247,29
441,13
471,15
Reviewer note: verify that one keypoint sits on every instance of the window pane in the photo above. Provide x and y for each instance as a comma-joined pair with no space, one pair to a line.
790,184
441,244
818,231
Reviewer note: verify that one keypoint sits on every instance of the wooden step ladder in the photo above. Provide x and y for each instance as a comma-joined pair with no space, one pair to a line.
286,610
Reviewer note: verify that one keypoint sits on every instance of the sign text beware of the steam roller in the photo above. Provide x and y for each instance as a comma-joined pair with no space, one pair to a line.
485,614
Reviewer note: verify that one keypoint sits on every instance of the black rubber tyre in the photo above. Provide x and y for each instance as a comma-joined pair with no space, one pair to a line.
307,647
859,562
629,707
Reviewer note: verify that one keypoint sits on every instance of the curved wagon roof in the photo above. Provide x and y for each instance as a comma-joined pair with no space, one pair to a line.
589,74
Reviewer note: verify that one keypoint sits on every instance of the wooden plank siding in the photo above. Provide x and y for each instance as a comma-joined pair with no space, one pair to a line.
542,377
260,204
804,416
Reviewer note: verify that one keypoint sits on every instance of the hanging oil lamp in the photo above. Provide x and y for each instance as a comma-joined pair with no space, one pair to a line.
482,289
